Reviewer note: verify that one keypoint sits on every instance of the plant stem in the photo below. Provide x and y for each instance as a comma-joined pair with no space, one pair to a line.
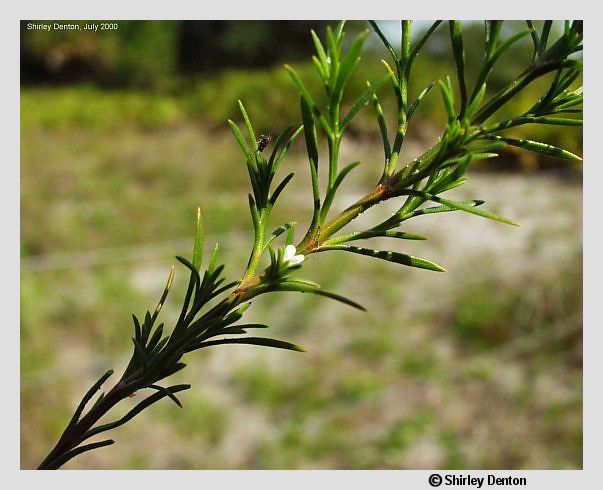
334,144
312,243
258,246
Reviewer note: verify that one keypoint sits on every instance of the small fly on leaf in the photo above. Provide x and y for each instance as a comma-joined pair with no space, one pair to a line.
263,142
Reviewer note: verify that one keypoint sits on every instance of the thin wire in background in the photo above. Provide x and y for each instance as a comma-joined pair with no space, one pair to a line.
114,255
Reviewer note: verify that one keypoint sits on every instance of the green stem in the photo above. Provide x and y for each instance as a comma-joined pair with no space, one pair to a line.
334,144
309,245
258,246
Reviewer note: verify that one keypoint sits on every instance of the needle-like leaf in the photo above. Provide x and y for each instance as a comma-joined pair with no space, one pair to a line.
460,205
278,344
396,257
198,246
362,101
458,50
538,147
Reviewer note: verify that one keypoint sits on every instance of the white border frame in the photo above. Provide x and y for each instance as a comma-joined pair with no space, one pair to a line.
307,9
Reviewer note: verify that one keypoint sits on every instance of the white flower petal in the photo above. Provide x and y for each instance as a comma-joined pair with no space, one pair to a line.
297,259
289,253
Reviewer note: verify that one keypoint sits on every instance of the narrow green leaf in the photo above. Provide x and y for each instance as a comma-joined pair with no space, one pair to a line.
450,184
160,345
250,130
362,101
146,326
280,188
323,75
137,331
301,87
396,257
535,39
198,246
385,42
476,157
273,258
301,288
415,103
362,235
278,142
93,389
567,79
194,270
446,92
155,338
251,325
140,355
456,36
544,36
405,31
393,79
212,261
255,215
242,143
333,50
506,45
279,231
174,368
339,34
461,205
538,147
560,121
332,46
303,282
483,146
492,31
382,128
333,190
349,63
451,178
419,46
236,330
166,290
136,410
254,178
275,162
290,234
322,56
402,235
309,132
443,208
569,99
476,100
167,393
278,344
62,459
493,58
224,288
555,121
567,111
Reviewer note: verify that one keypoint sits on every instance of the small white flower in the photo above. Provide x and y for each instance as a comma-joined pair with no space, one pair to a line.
289,257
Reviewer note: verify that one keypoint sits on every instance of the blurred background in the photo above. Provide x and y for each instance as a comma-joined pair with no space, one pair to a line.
123,135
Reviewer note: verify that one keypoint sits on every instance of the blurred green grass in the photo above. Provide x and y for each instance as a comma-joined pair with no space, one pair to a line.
268,94
480,367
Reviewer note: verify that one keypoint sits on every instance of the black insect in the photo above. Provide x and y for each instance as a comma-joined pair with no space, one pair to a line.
263,142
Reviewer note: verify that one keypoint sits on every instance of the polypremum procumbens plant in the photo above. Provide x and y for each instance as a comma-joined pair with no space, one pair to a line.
213,308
